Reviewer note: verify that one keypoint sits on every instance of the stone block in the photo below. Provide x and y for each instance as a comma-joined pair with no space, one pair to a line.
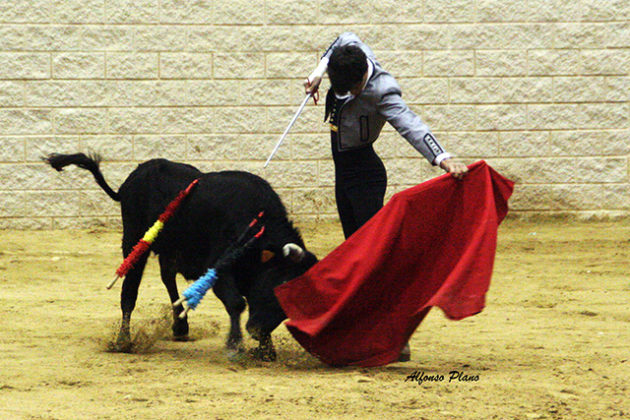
563,170
310,121
471,145
167,147
97,203
227,39
307,146
501,63
185,66
33,204
25,223
25,121
77,11
132,11
503,11
617,35
426,90
605,10
476,90
109,147
346,12
239,12
12,94
401,63
290,38
246,120
131,66
392,145
156,93
94,222
590,143
326,173
24,66
80,120
233,147
581,35
603,115
290,174
313,201
448,117
570,197
449,63
85,38
555,10
161,38
134,120
187,120
525,144
40,146
554,63
25,38
285,92
25,11
12,149
79,66
553,117
216,92
405,171
290,65
502,117
289,12
75,93
449,12
116,173
239,66
605,62
397,12
188,11
527,89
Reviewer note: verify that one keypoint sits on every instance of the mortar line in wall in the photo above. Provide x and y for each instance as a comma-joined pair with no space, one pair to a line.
290,104
327,187
361,24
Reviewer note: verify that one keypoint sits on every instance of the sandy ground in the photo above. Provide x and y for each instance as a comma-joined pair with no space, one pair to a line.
553,341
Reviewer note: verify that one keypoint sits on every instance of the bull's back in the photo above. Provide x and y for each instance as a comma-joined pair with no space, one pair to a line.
216,212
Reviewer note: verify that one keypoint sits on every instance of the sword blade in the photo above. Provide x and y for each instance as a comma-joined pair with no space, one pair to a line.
295,117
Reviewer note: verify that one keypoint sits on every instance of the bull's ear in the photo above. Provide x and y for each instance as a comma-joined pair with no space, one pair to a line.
266,255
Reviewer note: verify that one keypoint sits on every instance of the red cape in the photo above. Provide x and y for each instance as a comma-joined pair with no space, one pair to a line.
431,245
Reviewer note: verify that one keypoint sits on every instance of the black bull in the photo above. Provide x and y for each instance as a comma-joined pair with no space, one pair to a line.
210,219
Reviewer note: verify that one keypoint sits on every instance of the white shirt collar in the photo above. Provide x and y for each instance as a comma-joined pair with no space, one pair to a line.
370,70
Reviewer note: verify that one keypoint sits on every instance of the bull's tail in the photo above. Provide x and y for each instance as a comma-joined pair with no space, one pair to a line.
90,163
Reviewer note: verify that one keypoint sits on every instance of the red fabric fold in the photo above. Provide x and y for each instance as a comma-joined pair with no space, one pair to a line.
431,245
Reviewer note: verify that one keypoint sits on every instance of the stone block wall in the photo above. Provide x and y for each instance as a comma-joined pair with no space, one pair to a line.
538,88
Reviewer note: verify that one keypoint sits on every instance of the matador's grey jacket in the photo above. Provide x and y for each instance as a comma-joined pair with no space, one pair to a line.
361,118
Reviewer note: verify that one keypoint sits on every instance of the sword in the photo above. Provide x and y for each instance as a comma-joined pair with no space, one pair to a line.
295,117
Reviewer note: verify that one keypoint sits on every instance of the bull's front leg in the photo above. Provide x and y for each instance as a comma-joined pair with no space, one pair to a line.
225,289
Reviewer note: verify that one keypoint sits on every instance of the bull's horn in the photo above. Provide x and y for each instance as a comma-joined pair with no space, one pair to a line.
293,251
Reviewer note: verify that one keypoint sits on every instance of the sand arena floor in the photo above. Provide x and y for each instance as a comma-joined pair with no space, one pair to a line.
552,343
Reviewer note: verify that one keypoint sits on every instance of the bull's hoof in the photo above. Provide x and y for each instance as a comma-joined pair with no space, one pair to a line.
182,338
180,329
405,354
121,346
263,354
236,354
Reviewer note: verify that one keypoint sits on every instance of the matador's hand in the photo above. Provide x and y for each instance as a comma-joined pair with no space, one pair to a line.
454,167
